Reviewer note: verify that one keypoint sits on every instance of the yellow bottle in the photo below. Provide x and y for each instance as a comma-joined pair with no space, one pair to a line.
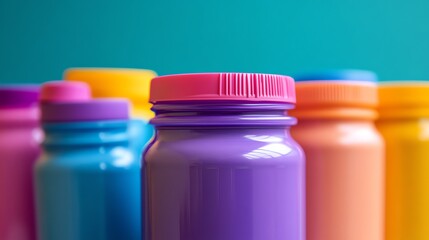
133,84
404,123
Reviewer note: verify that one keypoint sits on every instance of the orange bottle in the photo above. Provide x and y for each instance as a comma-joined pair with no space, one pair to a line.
345,156
404,123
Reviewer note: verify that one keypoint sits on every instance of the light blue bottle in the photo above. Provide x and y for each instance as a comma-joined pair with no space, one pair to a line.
88,178
140,132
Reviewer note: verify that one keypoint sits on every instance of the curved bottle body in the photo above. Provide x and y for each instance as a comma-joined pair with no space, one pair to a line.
88,183
345,179
404,124
19,148
345,155
407,179
224,175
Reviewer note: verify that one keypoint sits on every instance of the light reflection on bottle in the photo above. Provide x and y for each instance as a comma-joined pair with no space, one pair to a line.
123,157
424,126
272,150
264,138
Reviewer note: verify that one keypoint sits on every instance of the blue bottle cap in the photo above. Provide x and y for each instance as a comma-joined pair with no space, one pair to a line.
336,75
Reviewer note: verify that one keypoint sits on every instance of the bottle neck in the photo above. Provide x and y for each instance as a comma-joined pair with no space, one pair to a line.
217,114
85,134
226,134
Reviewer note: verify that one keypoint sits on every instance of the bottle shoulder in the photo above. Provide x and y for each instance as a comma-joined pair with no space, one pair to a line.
337,134
227,147
410,130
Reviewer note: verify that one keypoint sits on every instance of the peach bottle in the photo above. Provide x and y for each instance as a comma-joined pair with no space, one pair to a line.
345,157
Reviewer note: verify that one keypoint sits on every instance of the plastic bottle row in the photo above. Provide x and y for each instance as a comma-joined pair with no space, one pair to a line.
328,156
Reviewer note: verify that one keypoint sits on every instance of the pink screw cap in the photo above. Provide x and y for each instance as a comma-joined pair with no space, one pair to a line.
62,91
223,86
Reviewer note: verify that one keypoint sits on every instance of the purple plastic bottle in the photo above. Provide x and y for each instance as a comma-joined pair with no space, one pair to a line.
222,165
19,148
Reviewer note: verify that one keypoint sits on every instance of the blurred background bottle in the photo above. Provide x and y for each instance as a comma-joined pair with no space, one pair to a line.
88,177
404,123
20,137
133,84
344,152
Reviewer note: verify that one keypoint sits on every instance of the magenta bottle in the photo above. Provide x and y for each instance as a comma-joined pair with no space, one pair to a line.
19,148
223,165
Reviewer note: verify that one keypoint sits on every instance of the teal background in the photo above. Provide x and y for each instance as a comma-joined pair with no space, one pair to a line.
39,39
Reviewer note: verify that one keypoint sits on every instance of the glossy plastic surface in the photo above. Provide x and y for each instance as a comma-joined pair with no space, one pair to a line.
224,172
140,133
19,148
407,175
345,179
88,183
